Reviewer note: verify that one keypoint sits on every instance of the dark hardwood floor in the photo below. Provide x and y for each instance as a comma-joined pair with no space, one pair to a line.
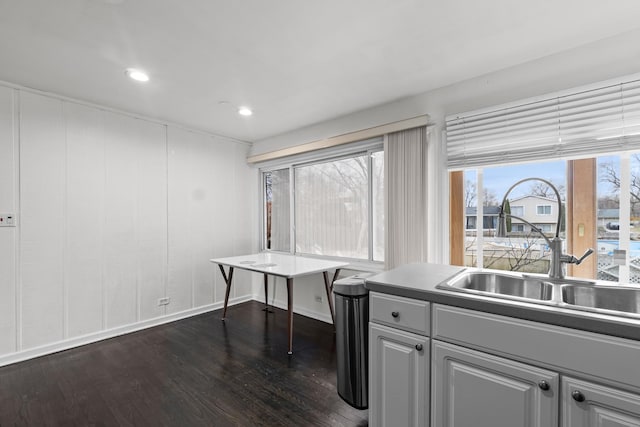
194,372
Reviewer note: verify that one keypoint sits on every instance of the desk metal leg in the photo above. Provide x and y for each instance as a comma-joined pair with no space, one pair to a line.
290,312
228,282
266,294
329,287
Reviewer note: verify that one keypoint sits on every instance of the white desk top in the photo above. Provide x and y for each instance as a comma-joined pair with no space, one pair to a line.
280,264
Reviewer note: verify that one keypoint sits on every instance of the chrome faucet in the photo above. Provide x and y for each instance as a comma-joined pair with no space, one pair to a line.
558,259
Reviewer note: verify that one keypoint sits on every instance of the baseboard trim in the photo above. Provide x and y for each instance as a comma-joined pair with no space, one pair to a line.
67,344
74,342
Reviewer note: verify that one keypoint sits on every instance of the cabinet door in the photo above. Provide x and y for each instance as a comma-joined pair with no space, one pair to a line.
472,389
398,377
593,405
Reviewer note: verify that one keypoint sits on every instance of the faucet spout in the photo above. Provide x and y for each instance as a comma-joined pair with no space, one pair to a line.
558,259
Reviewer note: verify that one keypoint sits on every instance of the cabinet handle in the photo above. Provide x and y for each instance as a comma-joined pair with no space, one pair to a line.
577,396
544,385
395,314
419,347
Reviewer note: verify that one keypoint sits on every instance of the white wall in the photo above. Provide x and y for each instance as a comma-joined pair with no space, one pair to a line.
8,235
114,212
211,214
606,59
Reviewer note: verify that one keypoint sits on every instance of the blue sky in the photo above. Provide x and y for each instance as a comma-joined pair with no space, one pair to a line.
498,179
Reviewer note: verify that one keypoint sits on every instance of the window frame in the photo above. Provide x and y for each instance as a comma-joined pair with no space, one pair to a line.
580,213
518,228
361,148
546,227
514,207
263,209
544,206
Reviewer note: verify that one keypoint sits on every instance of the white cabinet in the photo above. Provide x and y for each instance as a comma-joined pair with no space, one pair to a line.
487,343
399,377
399,361
494,370
588,404
472,389
400,313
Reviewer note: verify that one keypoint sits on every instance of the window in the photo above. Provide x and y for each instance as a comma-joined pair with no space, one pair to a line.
546,228
524,250
471,222
618,218
543,209
614,220
277,208
580,124
338,207
517,210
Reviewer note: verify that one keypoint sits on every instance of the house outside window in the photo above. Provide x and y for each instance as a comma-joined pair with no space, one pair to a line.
489,219
530,203
524,250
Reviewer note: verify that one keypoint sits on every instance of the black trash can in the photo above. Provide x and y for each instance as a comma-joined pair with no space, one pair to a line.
352,339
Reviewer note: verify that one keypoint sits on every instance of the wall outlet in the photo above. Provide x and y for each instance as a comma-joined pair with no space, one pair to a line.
7,220
318,298
164,301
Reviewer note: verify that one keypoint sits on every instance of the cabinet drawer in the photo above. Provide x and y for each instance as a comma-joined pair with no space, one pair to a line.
609,360
402,313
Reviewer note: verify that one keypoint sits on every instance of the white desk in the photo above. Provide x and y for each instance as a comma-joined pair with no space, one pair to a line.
281,265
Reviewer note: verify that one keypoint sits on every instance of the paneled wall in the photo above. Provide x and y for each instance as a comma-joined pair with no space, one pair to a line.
210,216
114,213
8,235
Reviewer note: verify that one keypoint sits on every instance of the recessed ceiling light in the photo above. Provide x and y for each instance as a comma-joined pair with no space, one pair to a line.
137,75
245,111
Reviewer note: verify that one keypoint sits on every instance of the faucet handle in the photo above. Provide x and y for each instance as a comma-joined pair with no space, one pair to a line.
570,259
586,254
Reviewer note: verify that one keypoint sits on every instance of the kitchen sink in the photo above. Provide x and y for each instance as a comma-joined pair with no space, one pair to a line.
625,299
501,285
572,293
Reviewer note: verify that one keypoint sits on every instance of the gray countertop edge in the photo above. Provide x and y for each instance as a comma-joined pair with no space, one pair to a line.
419,281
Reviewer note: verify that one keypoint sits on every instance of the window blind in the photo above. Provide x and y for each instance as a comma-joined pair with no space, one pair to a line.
600,120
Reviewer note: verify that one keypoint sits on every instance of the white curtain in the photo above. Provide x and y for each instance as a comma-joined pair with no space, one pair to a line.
406,193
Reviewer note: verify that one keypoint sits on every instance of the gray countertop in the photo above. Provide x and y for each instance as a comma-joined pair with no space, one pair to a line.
419,281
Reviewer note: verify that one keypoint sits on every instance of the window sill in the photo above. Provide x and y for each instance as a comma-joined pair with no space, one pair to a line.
365,266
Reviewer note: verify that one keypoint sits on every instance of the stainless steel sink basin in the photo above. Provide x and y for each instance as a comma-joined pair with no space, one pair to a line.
625,299
501,285
571,293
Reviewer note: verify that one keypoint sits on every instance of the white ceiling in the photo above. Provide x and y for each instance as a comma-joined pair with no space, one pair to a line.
295,62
